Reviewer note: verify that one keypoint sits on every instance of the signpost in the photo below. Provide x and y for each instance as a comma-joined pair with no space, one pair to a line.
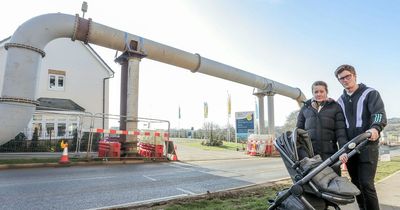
244,125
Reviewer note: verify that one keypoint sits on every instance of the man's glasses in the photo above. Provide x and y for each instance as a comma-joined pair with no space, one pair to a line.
347,77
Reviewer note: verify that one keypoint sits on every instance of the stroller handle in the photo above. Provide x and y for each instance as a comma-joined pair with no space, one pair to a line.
358,139
359,142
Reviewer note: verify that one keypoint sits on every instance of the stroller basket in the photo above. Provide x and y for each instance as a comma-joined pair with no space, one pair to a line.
316,185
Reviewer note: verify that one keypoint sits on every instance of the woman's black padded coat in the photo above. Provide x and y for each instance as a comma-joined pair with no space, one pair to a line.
327,128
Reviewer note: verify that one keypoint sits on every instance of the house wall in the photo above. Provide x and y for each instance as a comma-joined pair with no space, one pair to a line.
2,65
84,75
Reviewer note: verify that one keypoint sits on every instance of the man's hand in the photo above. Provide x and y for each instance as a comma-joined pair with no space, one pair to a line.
344,158
374,134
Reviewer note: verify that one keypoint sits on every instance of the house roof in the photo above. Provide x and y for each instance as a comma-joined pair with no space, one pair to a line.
90,49
5,40
58,104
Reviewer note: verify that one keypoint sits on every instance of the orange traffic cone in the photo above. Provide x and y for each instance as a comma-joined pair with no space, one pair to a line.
64,157
253,151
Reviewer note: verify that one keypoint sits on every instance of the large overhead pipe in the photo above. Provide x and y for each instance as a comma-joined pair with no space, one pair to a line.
25,50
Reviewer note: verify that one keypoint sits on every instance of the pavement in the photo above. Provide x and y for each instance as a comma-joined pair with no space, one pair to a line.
388,191
188,154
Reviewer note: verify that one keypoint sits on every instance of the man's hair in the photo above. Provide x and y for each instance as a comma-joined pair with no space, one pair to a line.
319,83
345,67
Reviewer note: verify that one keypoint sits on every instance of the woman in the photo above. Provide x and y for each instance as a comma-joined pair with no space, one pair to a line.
324,121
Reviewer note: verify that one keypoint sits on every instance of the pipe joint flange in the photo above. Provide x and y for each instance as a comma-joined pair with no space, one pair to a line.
88,31
198,64
270,87
141,47
28,47
73,38
300,94
19,100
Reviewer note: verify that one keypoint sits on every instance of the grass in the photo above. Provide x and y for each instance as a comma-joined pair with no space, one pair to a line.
387,168
38,160
254,198
226,145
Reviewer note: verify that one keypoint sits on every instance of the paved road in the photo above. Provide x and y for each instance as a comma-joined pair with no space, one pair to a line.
120,185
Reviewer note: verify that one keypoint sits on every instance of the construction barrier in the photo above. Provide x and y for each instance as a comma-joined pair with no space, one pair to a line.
261,145
109,149
151,144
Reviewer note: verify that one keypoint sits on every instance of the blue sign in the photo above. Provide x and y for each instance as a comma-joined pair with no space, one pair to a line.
244,124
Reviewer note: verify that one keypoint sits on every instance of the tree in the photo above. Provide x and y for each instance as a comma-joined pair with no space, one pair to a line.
35,139
212,131
291,121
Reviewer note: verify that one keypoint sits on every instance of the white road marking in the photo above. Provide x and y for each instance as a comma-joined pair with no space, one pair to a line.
183,164
186,191
149,178
186,168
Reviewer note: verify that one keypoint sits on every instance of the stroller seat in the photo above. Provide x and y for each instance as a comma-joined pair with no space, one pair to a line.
327,180
315,182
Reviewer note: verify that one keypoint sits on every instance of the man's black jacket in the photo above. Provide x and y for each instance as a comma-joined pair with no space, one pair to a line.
364,109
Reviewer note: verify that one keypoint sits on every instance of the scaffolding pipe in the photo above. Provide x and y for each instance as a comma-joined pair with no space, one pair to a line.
26,48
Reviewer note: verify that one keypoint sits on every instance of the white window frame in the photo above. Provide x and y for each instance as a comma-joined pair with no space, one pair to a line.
57,78
70,123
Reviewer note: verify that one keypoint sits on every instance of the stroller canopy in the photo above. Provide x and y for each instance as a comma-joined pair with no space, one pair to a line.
296,145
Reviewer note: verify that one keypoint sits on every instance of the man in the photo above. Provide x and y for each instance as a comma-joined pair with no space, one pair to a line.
364,112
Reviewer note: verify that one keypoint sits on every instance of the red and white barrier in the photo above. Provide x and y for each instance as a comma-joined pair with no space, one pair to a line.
260,145
151,143
125,132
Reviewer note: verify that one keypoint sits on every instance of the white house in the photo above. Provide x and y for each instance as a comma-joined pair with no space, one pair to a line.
73,79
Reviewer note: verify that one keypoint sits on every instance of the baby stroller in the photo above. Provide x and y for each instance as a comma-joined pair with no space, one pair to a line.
315,184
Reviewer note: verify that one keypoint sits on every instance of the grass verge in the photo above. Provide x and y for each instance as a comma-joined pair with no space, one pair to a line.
254,197
39,160
387,168
226,145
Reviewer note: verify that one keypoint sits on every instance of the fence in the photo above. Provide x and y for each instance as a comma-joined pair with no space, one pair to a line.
84,132
148,139
46,130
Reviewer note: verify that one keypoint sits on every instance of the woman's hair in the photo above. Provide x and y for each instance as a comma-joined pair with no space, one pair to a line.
319,83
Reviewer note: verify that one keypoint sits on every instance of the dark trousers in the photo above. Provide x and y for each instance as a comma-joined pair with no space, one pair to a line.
362,174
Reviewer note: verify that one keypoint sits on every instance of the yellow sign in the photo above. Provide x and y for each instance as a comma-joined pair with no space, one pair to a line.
249,117
229,105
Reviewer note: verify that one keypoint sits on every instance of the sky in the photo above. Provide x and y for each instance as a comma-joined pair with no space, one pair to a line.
291,42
